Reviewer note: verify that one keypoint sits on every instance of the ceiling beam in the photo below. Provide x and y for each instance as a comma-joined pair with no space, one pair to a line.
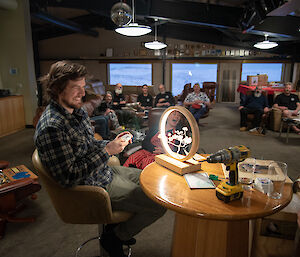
286,9
67,24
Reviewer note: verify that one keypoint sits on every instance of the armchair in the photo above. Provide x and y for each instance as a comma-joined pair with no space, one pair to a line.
80,204
276,114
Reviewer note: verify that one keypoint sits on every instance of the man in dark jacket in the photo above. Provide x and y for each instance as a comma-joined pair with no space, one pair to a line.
256,104
164,99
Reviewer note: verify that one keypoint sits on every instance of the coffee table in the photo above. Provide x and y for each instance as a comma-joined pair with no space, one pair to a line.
204,225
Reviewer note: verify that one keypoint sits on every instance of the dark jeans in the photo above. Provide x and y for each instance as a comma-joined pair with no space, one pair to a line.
257,116
198,113
101,126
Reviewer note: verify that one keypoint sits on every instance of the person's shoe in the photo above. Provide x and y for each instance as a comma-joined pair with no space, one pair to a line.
109,229
112,244
242,129
256,132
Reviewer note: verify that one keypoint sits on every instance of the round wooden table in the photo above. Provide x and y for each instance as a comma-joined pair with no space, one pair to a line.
204,225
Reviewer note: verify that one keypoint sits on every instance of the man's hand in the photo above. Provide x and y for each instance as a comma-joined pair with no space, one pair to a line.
266,109
198,102
161,100
167,104
122,102
241,107
107,111
117,145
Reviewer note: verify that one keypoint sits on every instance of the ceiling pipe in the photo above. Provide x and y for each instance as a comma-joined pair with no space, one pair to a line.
64,23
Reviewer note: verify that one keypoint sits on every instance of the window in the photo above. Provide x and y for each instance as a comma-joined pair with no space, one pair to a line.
130,74
273,70
183,73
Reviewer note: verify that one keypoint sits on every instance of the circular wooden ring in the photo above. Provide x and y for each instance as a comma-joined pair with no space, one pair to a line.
195,132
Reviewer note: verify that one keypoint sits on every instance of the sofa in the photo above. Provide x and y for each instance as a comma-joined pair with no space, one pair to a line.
276,114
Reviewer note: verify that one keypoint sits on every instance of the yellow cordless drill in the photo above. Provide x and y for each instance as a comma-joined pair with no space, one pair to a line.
230,190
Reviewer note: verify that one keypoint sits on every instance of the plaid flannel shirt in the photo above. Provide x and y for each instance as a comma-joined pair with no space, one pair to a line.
192,97
67,147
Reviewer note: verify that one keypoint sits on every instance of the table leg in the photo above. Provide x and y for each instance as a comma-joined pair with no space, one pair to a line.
196,237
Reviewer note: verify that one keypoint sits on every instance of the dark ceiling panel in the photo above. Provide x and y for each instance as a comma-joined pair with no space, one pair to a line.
228,23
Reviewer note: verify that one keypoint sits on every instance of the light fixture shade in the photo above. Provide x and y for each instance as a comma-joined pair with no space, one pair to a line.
265,44
133,30
155,45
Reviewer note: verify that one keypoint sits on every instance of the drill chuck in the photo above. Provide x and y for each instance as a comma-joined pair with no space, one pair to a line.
223,156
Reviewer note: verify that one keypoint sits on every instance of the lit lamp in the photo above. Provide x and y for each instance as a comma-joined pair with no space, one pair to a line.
155,45
181,160
266,44
133,29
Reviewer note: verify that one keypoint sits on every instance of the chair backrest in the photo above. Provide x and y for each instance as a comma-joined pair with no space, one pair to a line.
154,117
210,89
79,204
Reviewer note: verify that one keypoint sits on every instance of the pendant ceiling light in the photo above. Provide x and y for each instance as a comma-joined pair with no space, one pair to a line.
133,29
265,44
155,45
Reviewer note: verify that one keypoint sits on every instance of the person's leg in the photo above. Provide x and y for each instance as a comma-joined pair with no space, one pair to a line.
114,119
257,118
119,114
101,126
126,195
243,113
194,112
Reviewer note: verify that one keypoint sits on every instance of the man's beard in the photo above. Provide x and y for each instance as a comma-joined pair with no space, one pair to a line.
257,94
118,91
73,106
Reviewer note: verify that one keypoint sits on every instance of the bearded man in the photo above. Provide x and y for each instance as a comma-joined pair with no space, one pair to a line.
256,104
118,97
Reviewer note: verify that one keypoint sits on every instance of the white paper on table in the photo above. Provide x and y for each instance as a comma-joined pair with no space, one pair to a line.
198,180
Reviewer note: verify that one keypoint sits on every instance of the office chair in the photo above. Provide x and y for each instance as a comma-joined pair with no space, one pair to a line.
81,204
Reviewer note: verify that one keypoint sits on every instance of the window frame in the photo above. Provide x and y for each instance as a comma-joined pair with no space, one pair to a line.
128,62
283,62
191,62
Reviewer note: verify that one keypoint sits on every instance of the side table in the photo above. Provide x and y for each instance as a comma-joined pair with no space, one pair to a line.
12,191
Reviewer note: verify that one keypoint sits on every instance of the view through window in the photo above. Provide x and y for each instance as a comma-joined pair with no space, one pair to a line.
130,74
273,70
183,73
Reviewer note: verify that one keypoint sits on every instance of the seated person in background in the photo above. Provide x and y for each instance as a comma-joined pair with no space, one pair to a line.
145,100
197,102
118,97
186,90
289,104
151,145
100,122
66,146
164,99
256,104
105,109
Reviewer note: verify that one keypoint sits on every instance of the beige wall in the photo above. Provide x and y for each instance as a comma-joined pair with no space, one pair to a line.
16,52
91,52
78,46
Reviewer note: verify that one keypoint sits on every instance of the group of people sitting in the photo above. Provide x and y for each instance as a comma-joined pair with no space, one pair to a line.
257,104
110,110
